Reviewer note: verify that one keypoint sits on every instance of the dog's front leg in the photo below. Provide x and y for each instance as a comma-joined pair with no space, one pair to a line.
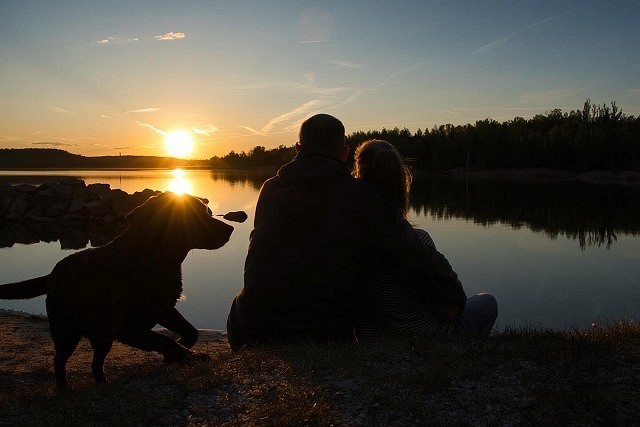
148,340
174,321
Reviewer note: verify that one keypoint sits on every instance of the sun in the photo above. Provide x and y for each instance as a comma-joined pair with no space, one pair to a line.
178,143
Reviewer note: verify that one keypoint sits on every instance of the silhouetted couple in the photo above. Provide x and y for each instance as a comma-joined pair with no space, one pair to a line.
332,256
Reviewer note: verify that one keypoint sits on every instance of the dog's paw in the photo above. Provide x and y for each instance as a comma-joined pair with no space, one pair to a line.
200,357
186,358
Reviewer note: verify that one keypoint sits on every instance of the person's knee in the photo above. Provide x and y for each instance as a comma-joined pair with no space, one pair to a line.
491,302
479,316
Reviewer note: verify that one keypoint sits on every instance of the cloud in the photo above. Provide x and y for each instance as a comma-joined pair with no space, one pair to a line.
53,144
206,130
141,110
347,64
252,130
503,40
297,112
153,128
170,36
60,110
315,25
325,99
115,40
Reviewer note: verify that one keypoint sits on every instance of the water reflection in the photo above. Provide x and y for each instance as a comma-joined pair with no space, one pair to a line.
593,215
254,179
180,184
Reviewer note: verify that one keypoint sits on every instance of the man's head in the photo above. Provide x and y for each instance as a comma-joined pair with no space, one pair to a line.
323,134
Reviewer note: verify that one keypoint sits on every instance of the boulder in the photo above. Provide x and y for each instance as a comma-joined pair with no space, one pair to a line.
99,191
97,209
68,210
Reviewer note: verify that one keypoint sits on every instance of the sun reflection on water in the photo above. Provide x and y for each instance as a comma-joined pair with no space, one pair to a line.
179,184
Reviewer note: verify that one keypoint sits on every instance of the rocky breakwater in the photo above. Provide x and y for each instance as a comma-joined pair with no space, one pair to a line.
70,211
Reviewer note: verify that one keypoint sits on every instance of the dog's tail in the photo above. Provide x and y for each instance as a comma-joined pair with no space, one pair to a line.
26,289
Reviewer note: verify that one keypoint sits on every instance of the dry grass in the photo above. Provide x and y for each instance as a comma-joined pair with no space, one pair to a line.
520,377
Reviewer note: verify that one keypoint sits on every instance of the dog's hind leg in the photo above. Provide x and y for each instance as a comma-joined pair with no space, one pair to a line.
101,348
65,346
174,321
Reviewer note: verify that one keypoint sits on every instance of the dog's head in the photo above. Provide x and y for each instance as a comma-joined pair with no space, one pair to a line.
179,220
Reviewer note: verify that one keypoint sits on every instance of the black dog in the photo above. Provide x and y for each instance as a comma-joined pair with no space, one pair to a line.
121,290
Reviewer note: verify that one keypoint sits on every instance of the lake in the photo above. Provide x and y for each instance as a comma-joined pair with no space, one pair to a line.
558,255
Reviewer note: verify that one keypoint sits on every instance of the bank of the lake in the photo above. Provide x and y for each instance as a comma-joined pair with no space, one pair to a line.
515,377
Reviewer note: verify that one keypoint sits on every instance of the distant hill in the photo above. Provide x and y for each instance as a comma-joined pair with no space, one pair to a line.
51,158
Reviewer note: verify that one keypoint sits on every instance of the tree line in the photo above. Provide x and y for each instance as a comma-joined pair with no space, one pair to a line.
596,137
51,158
593,138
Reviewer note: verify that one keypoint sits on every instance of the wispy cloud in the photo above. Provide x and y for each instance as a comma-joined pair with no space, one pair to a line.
141,110
295,113
153,128
325,99
115,40
60,110
170,36
53,144
347,64
503,40
206,130
315,25
252,130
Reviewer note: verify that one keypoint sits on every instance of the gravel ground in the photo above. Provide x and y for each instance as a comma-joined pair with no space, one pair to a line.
504,381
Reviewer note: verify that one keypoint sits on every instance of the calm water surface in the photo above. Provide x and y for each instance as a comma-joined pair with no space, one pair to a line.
554,255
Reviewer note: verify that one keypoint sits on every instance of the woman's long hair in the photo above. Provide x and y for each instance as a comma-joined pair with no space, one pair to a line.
380,163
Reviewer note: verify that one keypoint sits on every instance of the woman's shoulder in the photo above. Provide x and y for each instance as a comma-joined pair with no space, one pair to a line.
425,238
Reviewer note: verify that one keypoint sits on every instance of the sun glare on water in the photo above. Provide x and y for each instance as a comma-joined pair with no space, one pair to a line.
178,143
179,184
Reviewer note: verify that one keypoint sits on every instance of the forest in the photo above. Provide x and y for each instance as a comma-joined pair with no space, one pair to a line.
594,138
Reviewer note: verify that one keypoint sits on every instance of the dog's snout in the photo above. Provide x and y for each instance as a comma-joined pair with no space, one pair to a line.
219,233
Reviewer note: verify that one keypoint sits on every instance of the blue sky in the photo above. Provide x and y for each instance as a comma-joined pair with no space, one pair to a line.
109,77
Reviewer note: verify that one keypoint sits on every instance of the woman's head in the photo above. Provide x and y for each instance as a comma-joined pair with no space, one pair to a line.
380,163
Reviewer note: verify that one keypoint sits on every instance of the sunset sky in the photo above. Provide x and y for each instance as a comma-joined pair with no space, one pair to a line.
110,77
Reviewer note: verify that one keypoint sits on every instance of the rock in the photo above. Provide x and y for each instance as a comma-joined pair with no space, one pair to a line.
237,216
57,209
97,208
99,191
76,206
68,210
65,193
20,204
26,188
72,182
6,196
